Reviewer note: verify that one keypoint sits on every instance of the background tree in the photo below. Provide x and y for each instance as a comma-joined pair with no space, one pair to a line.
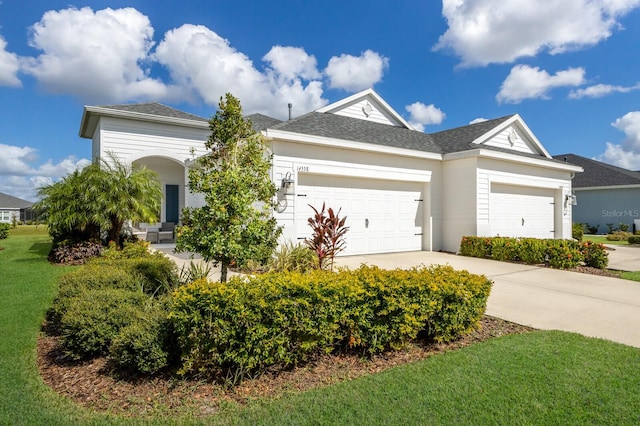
98,200
235,224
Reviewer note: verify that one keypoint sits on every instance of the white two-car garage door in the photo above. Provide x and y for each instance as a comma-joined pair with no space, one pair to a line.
383,216
521,211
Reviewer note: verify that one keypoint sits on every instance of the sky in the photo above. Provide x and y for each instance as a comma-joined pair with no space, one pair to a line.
570,68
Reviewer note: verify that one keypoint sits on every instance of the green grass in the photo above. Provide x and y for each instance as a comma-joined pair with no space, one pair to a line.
633,276
603,239
536,378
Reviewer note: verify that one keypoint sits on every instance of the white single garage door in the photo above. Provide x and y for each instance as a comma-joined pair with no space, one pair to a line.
383,216
521,211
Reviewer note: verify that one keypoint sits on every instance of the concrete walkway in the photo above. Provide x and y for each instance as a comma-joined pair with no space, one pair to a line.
543,298
624,257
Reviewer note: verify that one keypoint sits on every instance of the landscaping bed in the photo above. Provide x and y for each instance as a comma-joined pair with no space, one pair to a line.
94,385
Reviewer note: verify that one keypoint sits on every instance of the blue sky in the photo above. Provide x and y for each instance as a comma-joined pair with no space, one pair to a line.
570,68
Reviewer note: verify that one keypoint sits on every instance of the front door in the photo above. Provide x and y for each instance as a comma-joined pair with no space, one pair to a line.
172,204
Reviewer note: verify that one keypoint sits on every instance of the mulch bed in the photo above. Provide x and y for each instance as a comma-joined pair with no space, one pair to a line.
93,384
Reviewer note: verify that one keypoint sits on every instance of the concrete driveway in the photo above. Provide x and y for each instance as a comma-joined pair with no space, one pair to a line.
543,298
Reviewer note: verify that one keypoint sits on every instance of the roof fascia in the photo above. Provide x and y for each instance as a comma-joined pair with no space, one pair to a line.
87,124
285,136
514,158
362,94
593,188
520,122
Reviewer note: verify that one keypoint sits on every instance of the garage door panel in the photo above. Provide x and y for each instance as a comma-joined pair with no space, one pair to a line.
382,215
517,211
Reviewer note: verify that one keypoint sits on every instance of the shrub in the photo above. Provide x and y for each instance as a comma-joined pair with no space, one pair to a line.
634,239
577,231
157,273
89,277
93,318
289,257
476,246
130,250
146,344
624,227
618,236
4,230
281,319
595,255
327,238
591,229
504,249
532,251
563,254
193,272
75,254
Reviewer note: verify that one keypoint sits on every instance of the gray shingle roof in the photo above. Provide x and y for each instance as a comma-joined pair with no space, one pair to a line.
154,108
460,138
597,173
10,202
353,129
262,122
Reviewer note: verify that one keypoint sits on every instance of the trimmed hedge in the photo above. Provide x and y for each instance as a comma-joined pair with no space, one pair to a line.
281,319
634,239
561,254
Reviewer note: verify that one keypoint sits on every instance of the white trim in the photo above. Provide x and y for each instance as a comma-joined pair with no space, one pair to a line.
169,155
86,123
285,136
515,158
519,121
337,168
367,92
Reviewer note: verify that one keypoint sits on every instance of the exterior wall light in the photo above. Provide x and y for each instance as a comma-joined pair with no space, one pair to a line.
571,200
287,184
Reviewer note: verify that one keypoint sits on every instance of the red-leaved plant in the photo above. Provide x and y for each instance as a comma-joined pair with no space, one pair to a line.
327,239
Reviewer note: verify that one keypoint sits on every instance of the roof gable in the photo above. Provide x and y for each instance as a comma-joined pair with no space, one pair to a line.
368,106
507,134
598,174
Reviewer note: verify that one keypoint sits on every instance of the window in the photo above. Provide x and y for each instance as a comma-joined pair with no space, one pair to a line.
5,216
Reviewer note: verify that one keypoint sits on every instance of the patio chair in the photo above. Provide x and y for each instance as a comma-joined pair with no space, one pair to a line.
167,232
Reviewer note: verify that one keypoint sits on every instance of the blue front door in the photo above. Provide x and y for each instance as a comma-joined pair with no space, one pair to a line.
172,209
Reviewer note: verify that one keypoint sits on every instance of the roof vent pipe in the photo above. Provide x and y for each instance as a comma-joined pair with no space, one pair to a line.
290,108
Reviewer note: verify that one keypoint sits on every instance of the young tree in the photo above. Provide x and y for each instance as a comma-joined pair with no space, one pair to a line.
235,224
99,199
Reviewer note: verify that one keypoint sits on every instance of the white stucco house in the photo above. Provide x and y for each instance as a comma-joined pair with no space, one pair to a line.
401,189
14,208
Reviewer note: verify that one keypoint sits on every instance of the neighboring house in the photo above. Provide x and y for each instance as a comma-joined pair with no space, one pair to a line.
12,207
605,194
400,189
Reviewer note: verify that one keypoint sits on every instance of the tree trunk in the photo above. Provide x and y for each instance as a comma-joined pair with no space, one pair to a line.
224,265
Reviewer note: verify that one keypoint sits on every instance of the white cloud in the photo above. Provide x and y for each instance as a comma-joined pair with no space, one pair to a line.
97,56
22,176
525,82
500,31
626,154
9,66
600,90
203,63
478,120
422,115
354,73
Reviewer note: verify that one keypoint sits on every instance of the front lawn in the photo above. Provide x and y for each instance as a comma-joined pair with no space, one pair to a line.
533,378
602,239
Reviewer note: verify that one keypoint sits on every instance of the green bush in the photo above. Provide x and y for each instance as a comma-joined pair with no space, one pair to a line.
281,319
157,273
634,239
476,247
563,254
89,277
4,230
146,344
93,319
577,231
129,250
618,236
